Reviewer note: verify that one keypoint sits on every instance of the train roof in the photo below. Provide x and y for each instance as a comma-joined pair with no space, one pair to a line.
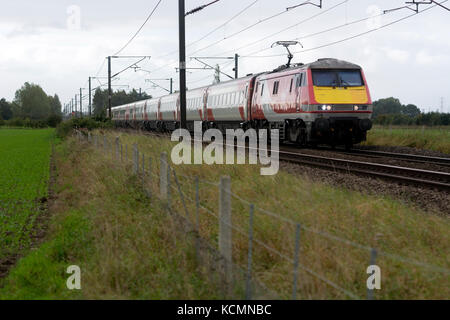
324,63
329,63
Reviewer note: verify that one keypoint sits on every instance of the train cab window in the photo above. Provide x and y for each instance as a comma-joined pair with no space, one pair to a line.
304,80
337,78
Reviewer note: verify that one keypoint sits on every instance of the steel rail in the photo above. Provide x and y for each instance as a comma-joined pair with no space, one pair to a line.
435,179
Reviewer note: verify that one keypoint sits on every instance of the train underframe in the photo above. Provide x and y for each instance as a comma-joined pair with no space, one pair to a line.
330,131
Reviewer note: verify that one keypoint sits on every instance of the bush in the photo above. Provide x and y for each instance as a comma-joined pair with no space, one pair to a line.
54,120
66,127
16,122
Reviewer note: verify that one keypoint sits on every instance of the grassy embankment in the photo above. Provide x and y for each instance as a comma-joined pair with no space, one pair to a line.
128,247
435,138
24,175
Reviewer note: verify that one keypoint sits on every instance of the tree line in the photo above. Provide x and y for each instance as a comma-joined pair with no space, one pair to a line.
118,98
390,111
31,107
34,108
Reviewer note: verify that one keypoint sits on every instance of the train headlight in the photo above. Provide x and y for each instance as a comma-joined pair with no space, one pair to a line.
356,108
329,108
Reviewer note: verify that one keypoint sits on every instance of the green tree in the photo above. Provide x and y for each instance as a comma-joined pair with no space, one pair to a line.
121,97
387,106
100,102
6,112
410,110
32,102
55,105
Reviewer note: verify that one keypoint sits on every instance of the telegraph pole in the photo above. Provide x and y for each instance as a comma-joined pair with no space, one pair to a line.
109,86
182,44
81,102
76,106
90,98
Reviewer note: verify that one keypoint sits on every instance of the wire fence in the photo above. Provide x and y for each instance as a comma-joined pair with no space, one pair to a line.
187,196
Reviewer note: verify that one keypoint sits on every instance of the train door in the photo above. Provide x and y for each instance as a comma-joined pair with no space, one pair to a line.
246,108
255,99
298,90
204,115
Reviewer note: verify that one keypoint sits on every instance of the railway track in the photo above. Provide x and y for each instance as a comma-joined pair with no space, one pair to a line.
445,162
404,175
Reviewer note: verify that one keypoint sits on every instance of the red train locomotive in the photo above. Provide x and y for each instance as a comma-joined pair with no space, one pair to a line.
324,102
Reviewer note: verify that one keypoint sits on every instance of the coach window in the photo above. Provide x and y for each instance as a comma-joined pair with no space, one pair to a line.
262,89
275,87
292,82
299,80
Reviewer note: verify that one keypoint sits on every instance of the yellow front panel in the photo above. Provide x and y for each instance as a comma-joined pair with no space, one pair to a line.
351,95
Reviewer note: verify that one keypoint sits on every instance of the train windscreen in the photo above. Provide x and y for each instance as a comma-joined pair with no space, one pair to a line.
337,78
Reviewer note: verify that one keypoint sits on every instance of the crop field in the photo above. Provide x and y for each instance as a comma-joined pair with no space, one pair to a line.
24,176
435,138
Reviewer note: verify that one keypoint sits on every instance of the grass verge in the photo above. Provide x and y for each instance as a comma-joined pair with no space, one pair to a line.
436,139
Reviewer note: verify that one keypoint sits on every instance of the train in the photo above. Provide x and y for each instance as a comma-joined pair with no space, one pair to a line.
324,102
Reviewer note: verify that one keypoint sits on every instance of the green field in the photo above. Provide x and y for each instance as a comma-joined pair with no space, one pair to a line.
434,138
24,175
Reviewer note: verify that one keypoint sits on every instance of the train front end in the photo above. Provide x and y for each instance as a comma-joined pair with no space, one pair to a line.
340,103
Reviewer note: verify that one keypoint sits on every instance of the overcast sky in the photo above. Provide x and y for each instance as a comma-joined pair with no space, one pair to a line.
41,42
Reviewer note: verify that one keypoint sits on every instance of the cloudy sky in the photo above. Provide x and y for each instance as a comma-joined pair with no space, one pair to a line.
59,44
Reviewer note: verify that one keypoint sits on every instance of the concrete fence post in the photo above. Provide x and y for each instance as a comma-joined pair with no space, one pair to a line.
225,230
163,174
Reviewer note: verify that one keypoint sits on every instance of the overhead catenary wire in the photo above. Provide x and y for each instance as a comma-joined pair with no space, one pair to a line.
227,37
242,30
139,30
285,29
348,38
